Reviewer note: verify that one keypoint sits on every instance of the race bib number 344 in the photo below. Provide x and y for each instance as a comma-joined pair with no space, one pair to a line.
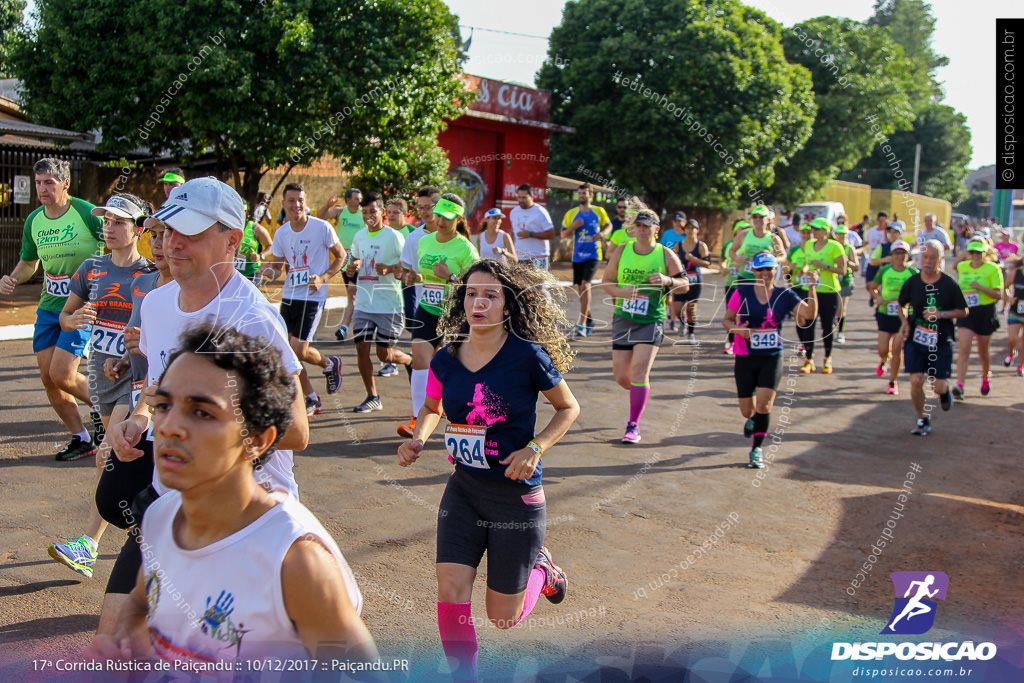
636,306
465,444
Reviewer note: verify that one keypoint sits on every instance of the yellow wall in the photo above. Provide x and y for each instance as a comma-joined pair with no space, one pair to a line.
856,198
911,208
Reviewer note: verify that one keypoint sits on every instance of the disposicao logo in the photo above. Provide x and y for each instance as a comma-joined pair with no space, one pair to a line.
912,614
916,592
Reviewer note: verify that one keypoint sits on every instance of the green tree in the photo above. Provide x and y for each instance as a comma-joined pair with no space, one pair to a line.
857,72
254,85
910,24
11,12
675,98
945,152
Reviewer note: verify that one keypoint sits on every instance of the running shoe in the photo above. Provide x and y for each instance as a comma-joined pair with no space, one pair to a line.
76,449
756,461
80,554
370,404
895,389
98,431
958,391
691,339
985,387
581,330
882,367
333,374
1020,370
727,350
748,427
590,327
946,399
826,367
1008,361
632,434
840,338
389,370
923,428
672,327
407,430
341,333
808,367
557,583
313,406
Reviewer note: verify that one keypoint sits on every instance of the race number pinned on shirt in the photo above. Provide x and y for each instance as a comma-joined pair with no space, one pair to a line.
803,279
433,294
540,262
637,305
108,337
1020,307
298,276
240,263
733,272
465,444
766,339
925,336
973,298
892,308
694,278
57,285
137,388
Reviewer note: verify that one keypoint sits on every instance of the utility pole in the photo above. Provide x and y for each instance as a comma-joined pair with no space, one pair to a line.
917,164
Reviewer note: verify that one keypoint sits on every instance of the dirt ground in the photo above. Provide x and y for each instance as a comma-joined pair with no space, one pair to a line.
679,557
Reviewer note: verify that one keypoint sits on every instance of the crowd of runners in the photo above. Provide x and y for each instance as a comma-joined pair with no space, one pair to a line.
199,390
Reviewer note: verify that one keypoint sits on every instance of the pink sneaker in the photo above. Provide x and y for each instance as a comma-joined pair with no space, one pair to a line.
632,434
985,387
893,388
880,370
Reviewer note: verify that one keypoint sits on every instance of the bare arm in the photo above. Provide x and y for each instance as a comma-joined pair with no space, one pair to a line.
317,602
130,639
297,436
426,422
510,247
76,315
610,279
22,272
523,463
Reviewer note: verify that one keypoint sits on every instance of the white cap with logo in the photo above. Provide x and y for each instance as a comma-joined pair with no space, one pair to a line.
194,206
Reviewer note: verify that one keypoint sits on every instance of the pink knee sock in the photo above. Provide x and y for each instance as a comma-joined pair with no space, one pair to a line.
458,638
638,395
533,588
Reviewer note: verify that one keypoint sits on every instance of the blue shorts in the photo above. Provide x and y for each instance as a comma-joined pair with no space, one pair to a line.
935,362
48,333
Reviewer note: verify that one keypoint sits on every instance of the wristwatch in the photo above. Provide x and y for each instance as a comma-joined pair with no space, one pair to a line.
452,277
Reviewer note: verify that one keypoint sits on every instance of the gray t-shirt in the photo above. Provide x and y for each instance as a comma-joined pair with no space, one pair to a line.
142,286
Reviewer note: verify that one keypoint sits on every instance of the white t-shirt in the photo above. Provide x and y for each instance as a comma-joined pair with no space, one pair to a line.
224,602
792,233
411,255
875,237
534,219
378,293
934,234
854,239
240,306
306,253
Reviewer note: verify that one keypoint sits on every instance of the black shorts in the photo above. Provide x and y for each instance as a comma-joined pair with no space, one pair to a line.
119,484
478,514
981,320
935,361
692,294
125,571
890,324
349,280
424,326
301,317
583,271
752,372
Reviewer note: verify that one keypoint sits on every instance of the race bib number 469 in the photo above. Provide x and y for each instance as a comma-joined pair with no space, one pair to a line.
465,444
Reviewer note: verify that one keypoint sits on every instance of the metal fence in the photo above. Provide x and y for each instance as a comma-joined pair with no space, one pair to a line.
18,161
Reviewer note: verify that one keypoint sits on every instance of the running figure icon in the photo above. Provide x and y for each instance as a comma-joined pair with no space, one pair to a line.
916,596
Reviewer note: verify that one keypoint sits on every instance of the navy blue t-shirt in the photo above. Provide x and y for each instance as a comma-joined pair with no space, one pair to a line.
492,412
763,320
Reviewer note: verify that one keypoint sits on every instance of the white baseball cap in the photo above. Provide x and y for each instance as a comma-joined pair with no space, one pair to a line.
194,206
900,244
122,207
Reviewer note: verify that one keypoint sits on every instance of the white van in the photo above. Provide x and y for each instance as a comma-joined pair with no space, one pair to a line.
830,211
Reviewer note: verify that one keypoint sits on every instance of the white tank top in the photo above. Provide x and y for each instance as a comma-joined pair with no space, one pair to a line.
488,250
225,602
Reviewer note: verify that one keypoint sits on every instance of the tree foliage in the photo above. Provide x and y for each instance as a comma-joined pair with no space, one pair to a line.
945,153
910,24
256,85
11,12
689,101
857,72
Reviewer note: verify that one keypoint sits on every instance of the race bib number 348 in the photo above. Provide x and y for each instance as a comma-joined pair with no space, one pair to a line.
765,339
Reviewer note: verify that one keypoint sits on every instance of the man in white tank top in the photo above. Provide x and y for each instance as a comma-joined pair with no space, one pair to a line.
231,572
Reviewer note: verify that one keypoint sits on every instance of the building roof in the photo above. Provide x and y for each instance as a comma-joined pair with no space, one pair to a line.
25,129
557,182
